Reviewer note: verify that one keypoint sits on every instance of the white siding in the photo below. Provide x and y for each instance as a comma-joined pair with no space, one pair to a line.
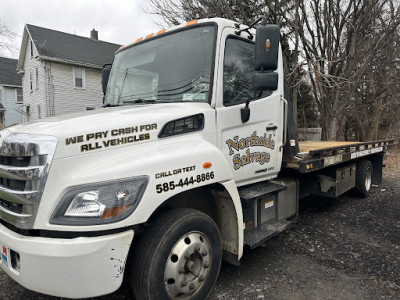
11,116
37,96
67,98
55,93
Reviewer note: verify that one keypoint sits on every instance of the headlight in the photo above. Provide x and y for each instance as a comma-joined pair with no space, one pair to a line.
100,203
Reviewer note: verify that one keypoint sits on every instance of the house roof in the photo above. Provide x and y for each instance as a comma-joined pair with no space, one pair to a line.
68,48
8,72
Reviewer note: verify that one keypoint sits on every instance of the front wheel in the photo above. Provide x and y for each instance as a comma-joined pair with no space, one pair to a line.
179,257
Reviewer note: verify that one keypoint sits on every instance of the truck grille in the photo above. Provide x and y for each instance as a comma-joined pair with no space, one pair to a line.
11,206
15,161
18,185
24,163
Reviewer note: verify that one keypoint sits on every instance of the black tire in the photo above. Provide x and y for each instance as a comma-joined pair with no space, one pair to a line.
364,178
177,240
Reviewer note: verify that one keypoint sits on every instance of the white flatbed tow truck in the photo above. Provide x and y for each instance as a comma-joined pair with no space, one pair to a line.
193,156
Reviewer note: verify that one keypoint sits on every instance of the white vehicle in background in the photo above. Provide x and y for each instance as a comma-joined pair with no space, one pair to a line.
194,156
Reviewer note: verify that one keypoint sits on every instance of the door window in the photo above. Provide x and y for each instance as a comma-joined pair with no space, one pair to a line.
238,71
239,62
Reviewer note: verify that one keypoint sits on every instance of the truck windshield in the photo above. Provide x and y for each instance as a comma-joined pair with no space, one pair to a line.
173,68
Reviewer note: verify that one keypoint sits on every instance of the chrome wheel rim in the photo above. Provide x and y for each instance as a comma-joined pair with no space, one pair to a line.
368,179
187,265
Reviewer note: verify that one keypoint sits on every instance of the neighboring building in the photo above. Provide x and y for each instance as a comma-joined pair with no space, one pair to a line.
10,93
61,71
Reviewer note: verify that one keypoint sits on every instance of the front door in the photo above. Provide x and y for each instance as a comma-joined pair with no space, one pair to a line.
251,148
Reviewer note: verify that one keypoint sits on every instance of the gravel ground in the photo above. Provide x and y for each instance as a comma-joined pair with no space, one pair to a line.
345,248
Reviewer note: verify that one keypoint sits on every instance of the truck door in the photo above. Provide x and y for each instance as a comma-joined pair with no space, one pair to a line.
251,148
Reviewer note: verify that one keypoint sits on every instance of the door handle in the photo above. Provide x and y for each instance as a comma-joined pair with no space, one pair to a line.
272,128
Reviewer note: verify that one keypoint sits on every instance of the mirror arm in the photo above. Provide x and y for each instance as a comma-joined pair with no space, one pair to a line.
247,29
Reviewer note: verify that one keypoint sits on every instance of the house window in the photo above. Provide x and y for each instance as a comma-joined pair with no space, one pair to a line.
31,49
79,78
31,80
36,78
19,96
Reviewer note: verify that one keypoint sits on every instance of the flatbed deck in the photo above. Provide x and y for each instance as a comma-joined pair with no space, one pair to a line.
315,155
306,146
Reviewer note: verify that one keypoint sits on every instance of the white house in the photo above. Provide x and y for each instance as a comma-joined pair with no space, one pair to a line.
11,100
61,72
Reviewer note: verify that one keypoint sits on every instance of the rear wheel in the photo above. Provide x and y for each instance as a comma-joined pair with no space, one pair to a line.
179,257
364,178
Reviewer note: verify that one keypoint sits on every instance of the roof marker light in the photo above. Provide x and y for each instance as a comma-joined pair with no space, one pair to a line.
122,47
192,22
161,31
149,35
139,39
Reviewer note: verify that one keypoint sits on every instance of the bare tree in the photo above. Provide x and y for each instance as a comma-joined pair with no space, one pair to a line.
378,93
6,39
333,39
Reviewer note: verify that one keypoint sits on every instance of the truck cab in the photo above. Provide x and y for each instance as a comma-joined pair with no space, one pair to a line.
211,65
176,172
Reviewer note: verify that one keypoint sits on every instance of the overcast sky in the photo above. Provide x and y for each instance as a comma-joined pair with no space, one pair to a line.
117,21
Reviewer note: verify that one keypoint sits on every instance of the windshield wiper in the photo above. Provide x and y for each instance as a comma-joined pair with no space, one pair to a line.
140,100
110,105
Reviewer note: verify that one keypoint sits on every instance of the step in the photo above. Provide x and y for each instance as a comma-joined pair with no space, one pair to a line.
259,189
263,233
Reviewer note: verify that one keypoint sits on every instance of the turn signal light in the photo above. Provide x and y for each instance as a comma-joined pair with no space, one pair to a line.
112,212
207,165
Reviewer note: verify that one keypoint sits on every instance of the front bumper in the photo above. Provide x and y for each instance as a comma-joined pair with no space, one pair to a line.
71,268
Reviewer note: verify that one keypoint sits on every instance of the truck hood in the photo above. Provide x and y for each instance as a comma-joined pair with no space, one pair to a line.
110,128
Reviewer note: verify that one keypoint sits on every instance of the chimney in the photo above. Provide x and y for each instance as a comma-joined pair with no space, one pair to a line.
94,35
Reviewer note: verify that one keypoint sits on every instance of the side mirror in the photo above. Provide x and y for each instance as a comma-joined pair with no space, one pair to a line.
265,81
266,57
105,74
267,46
